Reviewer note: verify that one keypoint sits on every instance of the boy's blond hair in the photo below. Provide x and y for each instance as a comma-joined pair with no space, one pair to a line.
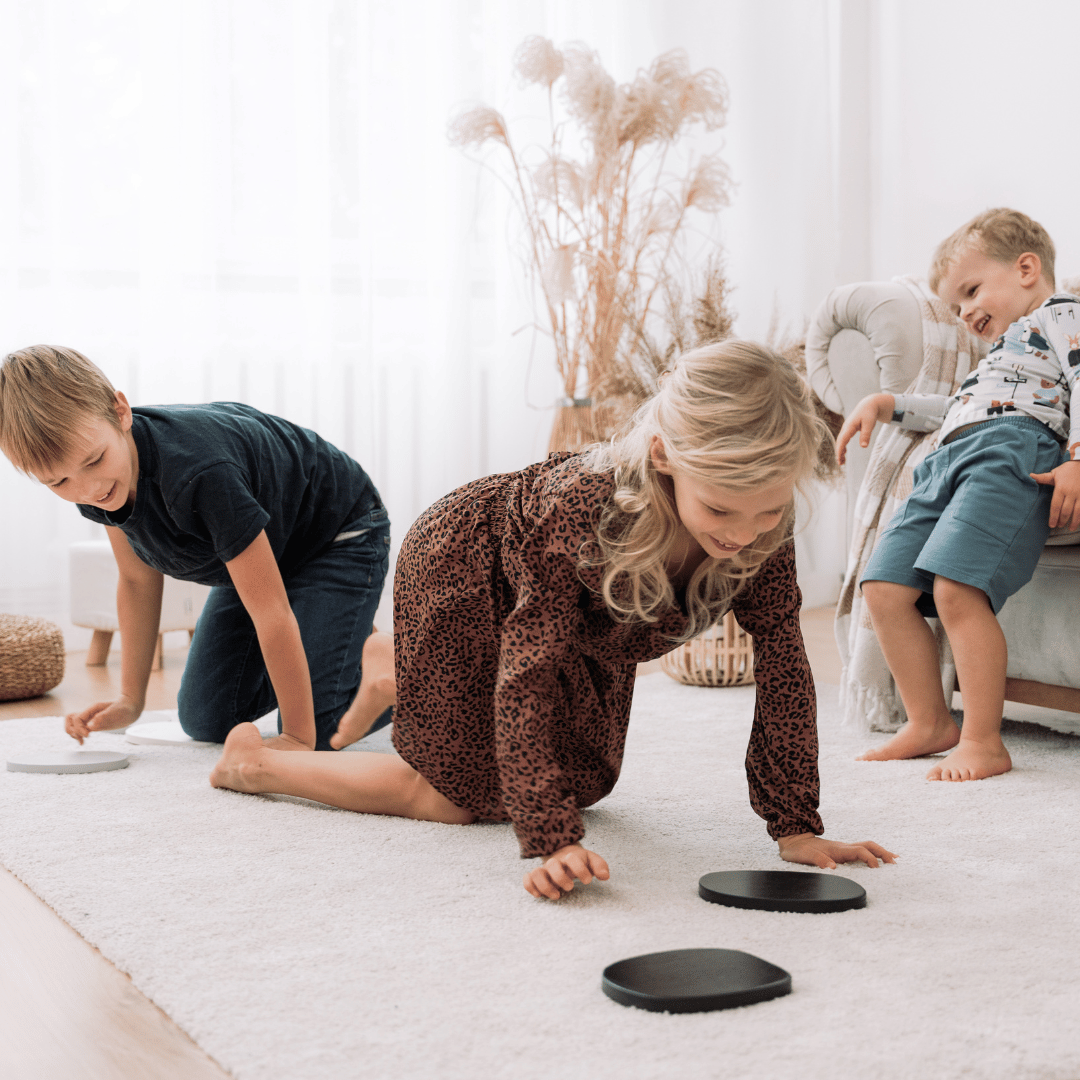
734,414
1001,234
47,393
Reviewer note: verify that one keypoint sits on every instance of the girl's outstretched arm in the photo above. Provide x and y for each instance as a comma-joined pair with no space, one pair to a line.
817,851
781,760
556,876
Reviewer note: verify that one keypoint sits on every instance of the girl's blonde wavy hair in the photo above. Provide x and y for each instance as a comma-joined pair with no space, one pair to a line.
733,414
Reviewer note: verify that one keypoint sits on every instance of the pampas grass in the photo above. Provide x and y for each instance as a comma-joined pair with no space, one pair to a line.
605,207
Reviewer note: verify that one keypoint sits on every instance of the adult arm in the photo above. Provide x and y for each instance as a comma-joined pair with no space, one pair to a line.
138,608
255,574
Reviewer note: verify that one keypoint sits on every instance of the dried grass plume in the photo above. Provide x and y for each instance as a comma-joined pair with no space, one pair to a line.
538,61
606,205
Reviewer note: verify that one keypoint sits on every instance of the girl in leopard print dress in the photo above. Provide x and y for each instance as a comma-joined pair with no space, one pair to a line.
524,601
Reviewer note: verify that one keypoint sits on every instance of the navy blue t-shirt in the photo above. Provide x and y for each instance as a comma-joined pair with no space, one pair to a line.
212,477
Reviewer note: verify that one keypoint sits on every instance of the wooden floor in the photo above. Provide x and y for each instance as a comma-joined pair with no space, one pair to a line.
65,1012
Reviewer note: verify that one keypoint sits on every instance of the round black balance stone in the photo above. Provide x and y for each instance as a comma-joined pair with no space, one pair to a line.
782,890
694,980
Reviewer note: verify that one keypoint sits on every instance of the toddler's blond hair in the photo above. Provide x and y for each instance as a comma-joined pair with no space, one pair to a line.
1001,234
47,393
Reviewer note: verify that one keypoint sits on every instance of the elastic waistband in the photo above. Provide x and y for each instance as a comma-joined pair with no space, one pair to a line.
350,535
1016,421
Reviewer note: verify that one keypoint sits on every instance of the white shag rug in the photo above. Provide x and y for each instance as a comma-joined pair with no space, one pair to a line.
295,941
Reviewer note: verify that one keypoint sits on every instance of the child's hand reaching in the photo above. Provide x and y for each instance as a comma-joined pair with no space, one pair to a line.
556,876
817,851
877,408
1065,507
101,716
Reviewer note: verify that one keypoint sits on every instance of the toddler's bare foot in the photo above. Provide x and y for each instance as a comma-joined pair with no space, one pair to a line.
916,740
973,761
239,767
377,692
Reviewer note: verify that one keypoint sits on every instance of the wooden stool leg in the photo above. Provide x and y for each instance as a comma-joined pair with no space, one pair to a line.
99,648
159,648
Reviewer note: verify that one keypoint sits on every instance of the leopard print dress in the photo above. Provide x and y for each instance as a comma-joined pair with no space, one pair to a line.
514,682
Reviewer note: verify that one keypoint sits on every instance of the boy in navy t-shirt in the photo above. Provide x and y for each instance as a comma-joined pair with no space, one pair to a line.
288,530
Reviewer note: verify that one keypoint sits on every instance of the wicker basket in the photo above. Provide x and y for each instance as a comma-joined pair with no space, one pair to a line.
31,657
722,656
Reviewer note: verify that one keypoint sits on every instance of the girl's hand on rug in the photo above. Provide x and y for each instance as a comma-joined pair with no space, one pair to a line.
817,851
102,716
556,876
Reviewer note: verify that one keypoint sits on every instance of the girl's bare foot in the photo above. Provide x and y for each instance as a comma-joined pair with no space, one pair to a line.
239,767
973,761
377,692
286,742
916,740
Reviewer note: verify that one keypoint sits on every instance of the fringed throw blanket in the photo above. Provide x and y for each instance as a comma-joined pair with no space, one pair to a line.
867,692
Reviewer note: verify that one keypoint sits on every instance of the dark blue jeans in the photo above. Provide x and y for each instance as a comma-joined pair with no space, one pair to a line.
333,596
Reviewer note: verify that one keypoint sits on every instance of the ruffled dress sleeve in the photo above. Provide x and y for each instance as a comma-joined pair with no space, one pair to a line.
781,758
536,636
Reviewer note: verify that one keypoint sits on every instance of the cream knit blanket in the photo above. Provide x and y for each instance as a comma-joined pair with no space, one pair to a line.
868,695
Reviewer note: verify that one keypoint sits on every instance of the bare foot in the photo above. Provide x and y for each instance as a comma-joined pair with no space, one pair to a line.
377,692
239,766
973,761
916,741
285,742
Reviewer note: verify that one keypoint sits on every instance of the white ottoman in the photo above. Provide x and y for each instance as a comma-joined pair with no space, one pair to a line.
94,578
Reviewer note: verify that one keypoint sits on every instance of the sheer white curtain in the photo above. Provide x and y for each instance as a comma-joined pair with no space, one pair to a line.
960,124
255,200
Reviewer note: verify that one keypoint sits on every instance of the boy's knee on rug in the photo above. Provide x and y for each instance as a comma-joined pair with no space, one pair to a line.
199,718
195,725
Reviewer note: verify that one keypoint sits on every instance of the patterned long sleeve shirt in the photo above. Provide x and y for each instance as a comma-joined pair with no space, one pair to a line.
1031,370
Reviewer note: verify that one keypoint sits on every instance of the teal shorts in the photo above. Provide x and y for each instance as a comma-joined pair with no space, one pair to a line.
974,515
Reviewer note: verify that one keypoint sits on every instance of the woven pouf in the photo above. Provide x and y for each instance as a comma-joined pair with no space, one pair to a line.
31,656
722,656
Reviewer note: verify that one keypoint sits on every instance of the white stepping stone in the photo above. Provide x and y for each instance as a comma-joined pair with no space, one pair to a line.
68,761
161,733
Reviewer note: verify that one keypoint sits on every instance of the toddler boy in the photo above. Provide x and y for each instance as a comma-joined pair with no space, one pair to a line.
288,530
971,532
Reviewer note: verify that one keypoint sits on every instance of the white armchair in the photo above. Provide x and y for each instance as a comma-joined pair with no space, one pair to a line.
93,580
868,337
